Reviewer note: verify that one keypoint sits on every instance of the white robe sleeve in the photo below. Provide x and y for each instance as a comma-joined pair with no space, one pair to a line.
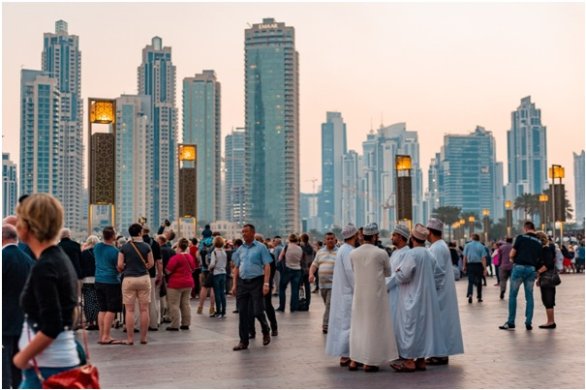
439,272
405,272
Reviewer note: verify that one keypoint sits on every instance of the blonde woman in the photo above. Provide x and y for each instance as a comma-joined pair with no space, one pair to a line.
49,296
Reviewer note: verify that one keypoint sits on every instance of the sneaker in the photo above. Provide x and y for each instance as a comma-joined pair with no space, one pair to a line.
470,299
528,327
275,332
507,326
184,327
479,299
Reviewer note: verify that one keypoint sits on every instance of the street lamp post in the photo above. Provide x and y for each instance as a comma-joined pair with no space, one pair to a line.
543,199
509,217
462,222
471,222
486,223
558,198
187,160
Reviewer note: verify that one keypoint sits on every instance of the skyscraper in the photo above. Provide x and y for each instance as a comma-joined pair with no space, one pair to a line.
333,148
467,172
379,177
235,171
527,150
156,78
134,160
9,186
351,194
41,136
61,59
579,162
202,126
272,127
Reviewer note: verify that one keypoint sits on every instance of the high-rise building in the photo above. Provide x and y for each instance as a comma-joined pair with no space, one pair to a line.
351,194
579,162
310,219
272,127
41,136
499,197
156,78
527,150
234,181
61,59
333,148
9,186
379,176
467,174
433,185
134,160
202,126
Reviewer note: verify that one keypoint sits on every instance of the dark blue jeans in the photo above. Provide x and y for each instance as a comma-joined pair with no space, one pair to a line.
220,293
475,273
522,274
293,276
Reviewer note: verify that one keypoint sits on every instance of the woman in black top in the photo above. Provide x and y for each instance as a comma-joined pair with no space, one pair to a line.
547,292
87,264
49,296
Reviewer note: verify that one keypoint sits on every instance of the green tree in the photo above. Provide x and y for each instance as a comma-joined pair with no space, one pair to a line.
529,203
448,215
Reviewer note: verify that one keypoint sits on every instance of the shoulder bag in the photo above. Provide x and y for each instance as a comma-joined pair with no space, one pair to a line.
550,278
139,254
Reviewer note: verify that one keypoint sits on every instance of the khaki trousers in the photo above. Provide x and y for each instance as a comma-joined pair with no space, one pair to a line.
178,300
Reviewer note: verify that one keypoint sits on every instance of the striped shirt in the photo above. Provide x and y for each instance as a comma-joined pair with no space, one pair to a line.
324,262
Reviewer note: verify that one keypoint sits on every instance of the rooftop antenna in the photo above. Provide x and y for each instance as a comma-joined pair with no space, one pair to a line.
371,129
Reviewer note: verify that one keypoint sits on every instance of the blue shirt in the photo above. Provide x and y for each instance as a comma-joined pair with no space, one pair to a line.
251,259
474,252
106,260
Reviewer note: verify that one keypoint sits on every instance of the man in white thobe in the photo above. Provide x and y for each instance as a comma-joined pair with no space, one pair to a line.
451,342
399,239
372,340
417,310
338,339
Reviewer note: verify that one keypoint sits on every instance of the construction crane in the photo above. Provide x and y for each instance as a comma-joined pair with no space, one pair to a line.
314,180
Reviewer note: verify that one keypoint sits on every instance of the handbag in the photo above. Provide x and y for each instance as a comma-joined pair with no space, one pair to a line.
550,278
83,377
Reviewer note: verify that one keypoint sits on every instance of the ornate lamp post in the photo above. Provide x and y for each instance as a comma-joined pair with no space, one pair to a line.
509,217
462,222
558,195
471,220
543,199
404,193
102,157
187,160
486,223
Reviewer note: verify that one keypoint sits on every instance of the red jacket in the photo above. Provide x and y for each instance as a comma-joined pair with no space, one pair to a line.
179,270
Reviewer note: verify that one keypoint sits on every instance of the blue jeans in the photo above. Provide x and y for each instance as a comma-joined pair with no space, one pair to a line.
525,274
293,276
31,381
220,293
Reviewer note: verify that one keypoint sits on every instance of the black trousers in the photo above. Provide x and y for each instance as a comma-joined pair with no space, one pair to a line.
475,273
269,311
11,376
250,304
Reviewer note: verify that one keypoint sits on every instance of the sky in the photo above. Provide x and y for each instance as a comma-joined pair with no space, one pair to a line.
441,68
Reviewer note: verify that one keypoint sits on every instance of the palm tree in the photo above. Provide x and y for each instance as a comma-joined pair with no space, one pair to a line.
569,209
448,215
529,203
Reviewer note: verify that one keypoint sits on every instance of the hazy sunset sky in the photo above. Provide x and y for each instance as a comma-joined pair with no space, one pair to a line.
441,68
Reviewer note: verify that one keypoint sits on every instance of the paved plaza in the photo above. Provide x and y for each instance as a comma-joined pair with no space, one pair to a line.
203,358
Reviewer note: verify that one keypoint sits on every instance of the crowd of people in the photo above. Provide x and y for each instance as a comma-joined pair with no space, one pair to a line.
381,305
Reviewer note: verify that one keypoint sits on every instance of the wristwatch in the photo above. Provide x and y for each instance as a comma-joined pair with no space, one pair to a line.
266,284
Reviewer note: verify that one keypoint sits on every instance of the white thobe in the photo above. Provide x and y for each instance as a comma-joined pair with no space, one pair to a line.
338,338
396,260
451,331
417,309
372,340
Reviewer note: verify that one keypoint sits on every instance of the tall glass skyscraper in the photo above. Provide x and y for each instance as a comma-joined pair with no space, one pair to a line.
41,135
61,59
235,171
202,126
9,186
134,160
579,162
333,148
351,194
467,176
272,127
156,78
527,150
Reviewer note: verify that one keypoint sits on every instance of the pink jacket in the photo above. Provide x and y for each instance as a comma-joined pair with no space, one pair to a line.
179,270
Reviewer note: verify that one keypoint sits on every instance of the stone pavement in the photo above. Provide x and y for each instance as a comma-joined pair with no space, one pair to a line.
203,358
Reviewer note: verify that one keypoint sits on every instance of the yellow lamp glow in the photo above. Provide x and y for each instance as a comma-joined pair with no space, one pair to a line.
486,212
102,111
187,153
403,162
508,204
557,172
543,198
462,221
471,218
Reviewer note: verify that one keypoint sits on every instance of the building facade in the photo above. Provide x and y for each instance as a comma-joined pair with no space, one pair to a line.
272,127
579,162
467,172
234,179
527,150
202,126
333,148
41,135
134,160
9,186
156,78
61,59
352,197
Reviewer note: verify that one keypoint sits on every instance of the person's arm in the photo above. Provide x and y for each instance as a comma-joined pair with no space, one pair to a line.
39,342
465,264
150,260
235,273
312,270
266,287
120,265
405,272
387,267
213,261
485,272
159,277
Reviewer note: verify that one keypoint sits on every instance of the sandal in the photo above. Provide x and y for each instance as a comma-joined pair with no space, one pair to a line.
354,365
437,361
370,368
345,361
402,366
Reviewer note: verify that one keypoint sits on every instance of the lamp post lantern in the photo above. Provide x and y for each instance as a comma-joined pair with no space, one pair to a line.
509,217
404,193
187,160
543,199
471,222
558,201
486,223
